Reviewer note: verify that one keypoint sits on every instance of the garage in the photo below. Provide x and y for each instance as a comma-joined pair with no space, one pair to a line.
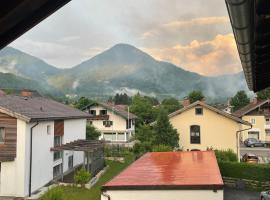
253,134
168,176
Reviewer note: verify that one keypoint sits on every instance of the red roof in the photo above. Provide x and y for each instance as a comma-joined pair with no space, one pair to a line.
170,170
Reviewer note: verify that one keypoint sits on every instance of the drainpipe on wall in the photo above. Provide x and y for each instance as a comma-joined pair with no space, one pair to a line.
103,193
30,162
237,139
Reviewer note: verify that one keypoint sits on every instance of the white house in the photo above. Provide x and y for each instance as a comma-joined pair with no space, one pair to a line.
168,176
115,122
29,127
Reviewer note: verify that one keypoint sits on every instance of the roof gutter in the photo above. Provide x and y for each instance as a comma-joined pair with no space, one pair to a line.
241,13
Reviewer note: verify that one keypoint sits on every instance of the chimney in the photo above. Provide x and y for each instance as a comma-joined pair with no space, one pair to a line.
26,93
186,102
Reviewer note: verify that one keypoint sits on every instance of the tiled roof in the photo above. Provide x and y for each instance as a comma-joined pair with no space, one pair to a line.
38,109
170,170
251,106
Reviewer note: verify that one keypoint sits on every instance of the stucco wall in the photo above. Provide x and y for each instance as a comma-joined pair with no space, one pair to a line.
164,195
217,131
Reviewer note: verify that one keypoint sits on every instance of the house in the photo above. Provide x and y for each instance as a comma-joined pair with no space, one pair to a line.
201,126
168,176
258,114
115,122
29,127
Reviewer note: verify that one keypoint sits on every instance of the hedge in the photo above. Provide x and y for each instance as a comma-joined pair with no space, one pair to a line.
257,172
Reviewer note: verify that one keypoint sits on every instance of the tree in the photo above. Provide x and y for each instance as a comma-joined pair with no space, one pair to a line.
195,95
165,134
171,105
122,99
239,100
83,102
92,133
264,94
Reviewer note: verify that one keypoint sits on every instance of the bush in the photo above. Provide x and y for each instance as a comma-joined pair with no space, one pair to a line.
226,156
53,194
116,151
162,148
82,176
257,172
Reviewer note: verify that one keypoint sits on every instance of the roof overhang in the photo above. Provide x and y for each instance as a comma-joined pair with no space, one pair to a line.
250,20
18,16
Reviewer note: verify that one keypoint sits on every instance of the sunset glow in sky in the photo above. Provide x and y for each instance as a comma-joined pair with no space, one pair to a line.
194,35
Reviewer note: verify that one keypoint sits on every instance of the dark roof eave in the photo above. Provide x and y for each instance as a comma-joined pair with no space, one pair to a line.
57,118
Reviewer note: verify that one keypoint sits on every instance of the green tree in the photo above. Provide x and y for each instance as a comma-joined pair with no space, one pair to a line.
264,94
165,134
91,132
239,100
82,103
171,105
195,95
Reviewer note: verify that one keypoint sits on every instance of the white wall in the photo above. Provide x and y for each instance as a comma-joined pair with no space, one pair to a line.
164,195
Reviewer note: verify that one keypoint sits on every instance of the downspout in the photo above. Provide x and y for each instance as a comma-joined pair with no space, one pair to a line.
103,193
237,140
30,162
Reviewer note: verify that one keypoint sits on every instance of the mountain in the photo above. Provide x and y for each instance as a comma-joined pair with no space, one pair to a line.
122,68
128,69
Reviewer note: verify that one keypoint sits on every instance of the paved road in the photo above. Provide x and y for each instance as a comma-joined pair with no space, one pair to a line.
232,194
262,153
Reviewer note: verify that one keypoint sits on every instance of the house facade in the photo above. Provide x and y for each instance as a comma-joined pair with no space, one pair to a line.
168,176
29,128
258,114
115,123
202,127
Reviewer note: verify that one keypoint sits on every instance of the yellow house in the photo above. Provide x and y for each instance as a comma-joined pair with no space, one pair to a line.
201,126
258,114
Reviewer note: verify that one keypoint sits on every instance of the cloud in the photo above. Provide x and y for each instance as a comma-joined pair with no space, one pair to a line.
213,57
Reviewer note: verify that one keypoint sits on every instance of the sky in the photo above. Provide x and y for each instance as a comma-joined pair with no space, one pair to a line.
193,34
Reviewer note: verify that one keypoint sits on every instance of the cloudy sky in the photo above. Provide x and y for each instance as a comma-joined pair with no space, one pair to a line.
193,34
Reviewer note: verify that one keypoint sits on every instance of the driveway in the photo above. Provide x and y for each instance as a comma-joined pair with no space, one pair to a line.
233,194
262,153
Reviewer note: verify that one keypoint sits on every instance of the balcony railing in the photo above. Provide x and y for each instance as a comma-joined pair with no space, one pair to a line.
99,117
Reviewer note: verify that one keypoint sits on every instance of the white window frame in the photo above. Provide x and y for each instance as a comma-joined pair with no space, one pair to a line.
253,121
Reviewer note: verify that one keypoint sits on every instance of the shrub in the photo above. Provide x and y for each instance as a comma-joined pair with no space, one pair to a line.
258,172
53,194
161,148
226,156
82,176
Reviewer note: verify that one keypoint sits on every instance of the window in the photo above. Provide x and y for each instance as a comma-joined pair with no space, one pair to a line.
93,112
198,111
48,129
267,121
195,134
57,170
107,123
128,123
103,112
2,135
252,121
70,162
267,131
90,122
56,155
57,141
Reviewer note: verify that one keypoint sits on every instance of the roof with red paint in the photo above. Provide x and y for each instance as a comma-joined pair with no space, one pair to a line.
170,170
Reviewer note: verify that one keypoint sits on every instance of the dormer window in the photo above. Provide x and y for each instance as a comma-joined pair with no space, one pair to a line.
103,112
199,111
2,135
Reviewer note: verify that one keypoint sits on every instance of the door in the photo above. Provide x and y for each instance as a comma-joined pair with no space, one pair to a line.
253,134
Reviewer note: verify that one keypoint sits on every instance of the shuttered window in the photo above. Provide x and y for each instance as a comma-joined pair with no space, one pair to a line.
59,128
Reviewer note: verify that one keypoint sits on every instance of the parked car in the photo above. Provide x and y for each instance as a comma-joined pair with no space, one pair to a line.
265,195
253,142
250,158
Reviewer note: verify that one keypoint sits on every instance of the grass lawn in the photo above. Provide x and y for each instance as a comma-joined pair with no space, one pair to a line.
74,193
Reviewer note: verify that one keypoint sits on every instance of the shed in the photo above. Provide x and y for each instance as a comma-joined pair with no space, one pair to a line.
168,176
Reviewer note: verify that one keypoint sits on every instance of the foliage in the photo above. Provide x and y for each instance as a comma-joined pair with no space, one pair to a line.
227,156
83,102
164,132
91,132
141,148
53,194
195,95
239,100
122,99
171,105
264,94
143,108
144,133
82,176
258,172
161,148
